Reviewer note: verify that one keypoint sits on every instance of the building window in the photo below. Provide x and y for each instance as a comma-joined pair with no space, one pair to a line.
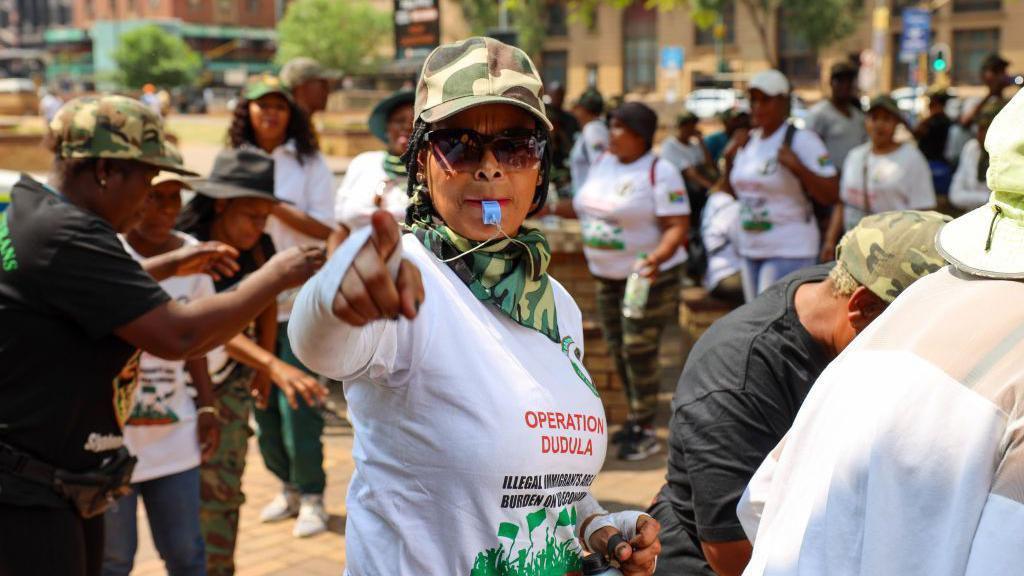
796,59
592,75
970,47
976,5
707,37
554,66
900,70
640,48
253,5
558,22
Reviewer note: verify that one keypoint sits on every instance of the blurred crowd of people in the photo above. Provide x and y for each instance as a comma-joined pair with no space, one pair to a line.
183,307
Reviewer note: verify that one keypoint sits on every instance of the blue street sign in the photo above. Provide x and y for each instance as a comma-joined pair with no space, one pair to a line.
672,57
917,33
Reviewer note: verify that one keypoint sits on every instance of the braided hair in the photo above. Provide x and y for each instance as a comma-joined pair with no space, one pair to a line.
424,211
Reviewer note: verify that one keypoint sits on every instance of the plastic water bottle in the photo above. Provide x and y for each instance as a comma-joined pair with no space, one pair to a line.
597,565
638,288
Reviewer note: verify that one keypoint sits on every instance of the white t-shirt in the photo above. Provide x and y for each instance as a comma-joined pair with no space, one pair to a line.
776,216
161,431
589,145
719,230
899,180
356,199
618,208
967,192
907,456
474,434
680,155
309,187
839,132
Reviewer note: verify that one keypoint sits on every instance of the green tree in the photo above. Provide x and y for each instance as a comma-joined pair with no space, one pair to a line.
345,35
150,54
818,22
526,17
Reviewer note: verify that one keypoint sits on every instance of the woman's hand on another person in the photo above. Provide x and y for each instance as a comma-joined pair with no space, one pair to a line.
296,265
208,431
294,382
368,291
637,556
213,258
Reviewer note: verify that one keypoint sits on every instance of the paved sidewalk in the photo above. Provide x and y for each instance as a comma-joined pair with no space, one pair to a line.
271,548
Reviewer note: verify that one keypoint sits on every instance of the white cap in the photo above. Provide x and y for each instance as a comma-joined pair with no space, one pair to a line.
771,82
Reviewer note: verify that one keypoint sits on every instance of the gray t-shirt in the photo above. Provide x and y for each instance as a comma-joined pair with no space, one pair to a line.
840,133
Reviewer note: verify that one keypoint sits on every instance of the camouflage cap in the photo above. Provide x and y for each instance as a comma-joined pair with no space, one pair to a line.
888,252
474,72
113,127
262,84
302,69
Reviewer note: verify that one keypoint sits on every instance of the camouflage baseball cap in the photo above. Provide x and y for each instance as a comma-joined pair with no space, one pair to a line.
113,127
888,252
474,72
302,69
262,84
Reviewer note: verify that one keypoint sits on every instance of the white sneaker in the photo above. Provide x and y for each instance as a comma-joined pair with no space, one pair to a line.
312,516
284,506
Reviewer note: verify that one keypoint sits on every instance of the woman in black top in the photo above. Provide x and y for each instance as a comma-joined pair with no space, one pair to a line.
75,309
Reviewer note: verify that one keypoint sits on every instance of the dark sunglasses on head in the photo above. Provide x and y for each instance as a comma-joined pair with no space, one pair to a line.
462,150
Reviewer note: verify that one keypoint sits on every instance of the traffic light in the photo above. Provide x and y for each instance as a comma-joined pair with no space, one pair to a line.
940,58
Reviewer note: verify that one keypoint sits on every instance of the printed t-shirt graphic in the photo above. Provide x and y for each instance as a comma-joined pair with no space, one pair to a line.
619,207
776,217
480,434
161,430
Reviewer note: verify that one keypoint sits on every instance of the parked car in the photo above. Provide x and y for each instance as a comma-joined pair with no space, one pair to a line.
708,102
7,180
913,102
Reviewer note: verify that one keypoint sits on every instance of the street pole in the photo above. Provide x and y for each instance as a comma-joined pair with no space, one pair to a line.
880,26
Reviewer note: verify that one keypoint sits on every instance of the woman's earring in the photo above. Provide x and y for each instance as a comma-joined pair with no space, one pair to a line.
103,183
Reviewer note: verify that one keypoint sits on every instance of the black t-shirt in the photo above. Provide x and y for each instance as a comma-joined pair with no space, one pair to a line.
738,395
66,283
936,132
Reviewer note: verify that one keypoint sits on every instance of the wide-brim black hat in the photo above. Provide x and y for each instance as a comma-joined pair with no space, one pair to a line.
379,117
239,173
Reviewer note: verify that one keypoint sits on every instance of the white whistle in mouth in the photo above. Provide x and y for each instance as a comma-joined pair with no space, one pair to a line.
492,213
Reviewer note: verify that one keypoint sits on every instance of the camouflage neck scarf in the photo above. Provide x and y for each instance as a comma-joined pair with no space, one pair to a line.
394,168
510,275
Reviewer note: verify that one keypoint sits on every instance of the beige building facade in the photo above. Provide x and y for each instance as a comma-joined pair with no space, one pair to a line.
619,51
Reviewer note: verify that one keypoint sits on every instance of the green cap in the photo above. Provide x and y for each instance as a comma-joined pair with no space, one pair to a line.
113,127
686,118
262,84
887,103
843,68
591,101
888,252
474,72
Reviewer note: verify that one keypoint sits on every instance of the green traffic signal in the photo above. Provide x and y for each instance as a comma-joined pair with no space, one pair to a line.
939,63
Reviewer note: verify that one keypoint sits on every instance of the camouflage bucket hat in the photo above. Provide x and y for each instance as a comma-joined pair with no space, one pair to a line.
989,241
474,72
259,86
888,252
113,127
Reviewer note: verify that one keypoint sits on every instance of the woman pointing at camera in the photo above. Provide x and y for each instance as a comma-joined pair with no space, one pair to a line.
479,430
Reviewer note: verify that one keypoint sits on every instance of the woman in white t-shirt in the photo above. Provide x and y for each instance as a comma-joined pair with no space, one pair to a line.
289,436
361,192
169,431
969,189
635,215
478,429
593,137
775,175
880,175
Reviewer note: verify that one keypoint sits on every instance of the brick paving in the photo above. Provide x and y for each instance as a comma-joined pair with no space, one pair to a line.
270,549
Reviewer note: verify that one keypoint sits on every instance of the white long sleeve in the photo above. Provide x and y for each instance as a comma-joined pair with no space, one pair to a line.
325,343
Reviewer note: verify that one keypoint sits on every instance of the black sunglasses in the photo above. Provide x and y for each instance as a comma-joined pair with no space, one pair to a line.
462,149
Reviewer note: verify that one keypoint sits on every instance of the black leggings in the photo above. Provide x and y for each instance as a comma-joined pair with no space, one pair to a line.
35,540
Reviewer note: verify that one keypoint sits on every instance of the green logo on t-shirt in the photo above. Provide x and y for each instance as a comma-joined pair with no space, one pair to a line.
7,256
554,558
572,352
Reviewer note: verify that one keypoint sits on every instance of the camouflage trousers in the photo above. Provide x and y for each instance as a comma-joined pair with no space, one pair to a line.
221,477
633,343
